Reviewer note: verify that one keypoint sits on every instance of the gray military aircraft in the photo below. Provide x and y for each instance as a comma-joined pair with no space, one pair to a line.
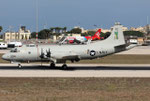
61,53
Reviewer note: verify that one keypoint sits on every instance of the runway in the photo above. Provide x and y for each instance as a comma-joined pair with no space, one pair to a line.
75,70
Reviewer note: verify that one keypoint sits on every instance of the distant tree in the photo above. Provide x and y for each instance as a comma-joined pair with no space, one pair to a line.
64,29
52,29
1,28
76,30
42,34
105,35
48,33
57,29
133,33
126,33
33,35
91,33
84,34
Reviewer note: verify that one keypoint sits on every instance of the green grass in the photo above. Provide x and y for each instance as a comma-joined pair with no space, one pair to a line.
1,60
74,89
112,59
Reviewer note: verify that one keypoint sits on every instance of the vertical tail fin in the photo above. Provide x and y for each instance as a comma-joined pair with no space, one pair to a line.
116,37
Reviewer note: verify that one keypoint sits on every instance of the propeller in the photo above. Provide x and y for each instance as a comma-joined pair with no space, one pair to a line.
48,53
42,54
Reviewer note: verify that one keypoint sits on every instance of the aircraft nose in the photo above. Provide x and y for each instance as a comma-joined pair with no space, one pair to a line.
5,57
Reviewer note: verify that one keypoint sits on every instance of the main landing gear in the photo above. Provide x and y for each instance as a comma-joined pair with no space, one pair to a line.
64,66
19,66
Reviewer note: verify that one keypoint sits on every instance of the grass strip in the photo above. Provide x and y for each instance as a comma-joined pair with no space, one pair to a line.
75,89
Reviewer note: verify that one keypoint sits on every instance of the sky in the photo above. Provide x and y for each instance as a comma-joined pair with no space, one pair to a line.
70,13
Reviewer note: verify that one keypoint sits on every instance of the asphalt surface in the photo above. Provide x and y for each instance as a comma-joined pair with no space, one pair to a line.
75,70
139,50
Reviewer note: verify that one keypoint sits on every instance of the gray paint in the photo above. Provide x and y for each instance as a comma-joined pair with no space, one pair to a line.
71,52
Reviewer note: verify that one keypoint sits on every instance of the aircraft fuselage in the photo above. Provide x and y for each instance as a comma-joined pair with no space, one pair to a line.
58,52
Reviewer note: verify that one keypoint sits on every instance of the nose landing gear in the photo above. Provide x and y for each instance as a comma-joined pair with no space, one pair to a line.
19,66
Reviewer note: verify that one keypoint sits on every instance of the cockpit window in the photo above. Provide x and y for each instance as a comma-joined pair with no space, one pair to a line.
15,50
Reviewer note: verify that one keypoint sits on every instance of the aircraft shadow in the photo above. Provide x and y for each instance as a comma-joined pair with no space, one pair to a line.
73,68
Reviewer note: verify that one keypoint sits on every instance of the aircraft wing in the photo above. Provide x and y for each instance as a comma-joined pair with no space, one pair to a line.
63,59
71,57
66,56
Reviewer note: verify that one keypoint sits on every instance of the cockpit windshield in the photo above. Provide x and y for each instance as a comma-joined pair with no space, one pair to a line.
14,50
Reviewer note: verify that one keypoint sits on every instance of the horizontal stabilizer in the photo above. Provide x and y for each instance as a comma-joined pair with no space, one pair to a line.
131,46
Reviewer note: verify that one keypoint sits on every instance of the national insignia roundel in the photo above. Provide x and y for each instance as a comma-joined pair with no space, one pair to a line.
92,53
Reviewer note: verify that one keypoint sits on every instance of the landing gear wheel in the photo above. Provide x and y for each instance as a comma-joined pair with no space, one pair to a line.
19,66
52,65
64,66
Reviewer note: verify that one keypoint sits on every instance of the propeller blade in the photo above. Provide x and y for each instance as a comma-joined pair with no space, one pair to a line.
48,53
42,54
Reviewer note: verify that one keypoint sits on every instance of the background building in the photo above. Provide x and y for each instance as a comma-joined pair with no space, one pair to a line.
144,29
22,34
106,30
